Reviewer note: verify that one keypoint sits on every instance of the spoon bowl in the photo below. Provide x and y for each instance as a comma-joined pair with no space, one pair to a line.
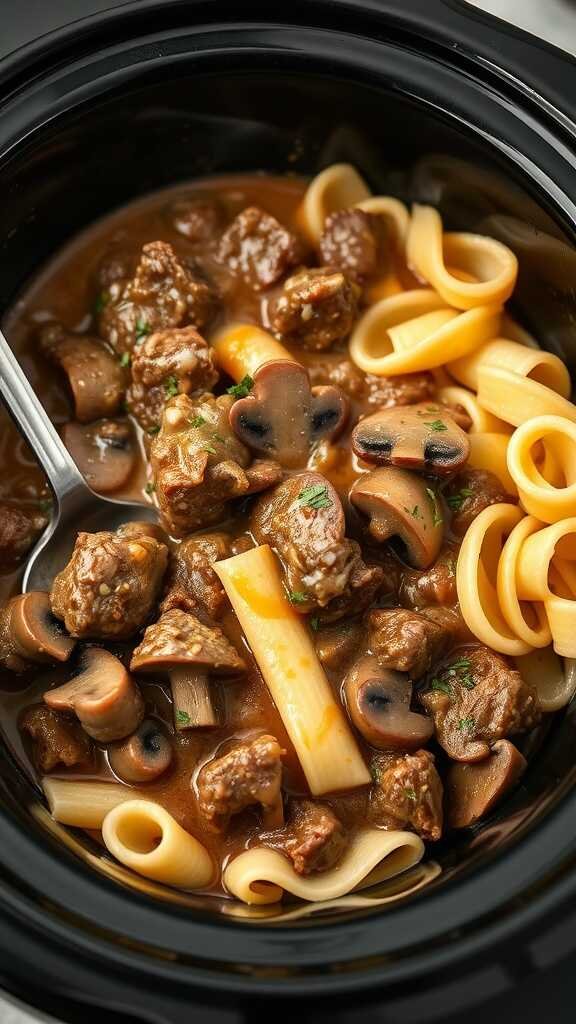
77,507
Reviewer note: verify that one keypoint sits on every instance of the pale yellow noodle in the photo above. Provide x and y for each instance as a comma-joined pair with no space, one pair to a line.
336,188
517,399
489,451
146,838
431,253
483,422
545,557
553,678
547,491
542,367
528,623
282,646
83,804
261,875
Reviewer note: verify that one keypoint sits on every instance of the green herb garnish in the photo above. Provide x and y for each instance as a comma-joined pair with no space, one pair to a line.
150,487
415,512
143,329
436,517
436,425
315,497
171,386
298,597
410,793
197,421
466,724
46,505
125,359
208,448
154,430
455,501
242,389
314,623
442,686
182,717
217,437
101,302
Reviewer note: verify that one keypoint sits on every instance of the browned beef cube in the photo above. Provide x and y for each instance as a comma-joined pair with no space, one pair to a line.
19,531
316,837
352,241
57,740
407,641
469,493
407,793
259,249
251,773
315,309
192,582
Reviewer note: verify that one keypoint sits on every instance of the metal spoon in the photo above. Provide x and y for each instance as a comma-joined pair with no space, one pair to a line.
77,507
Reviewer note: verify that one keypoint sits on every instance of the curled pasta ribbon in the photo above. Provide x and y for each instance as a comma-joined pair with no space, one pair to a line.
395,213
489,451
483,422
485,270
477,578
146,838
517,399
336,188
413,331
553,679
547,491
240,349
541,367
261,875
546,571
528,622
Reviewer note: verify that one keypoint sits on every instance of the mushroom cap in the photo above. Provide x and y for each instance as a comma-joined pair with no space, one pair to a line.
401,505
95,376
378,703
105,452
143,756
422,437
103,696
180,638
284,416
473,789
33,631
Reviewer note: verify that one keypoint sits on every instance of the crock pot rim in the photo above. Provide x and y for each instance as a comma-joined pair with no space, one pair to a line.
269,935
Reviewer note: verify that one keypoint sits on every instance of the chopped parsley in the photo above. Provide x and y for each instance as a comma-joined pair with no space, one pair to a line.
101,302
171,386
125,359
143,329
315,497
455,501
314,623
410,793
466,724
436,517
442,686
436,425
415,512
154,430
298,597
197,421
208,448
217,437
150,487
457,672
182,717
243,388
46,505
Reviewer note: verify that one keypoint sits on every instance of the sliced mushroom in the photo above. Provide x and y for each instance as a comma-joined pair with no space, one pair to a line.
143,756
95,376
378,703
400,504
30,633
104,697
284,416
473,789
191,652
105,452
423,437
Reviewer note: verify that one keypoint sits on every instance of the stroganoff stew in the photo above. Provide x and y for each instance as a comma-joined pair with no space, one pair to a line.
358,600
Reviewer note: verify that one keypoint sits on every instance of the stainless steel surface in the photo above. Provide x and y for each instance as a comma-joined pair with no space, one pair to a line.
77,506
552,20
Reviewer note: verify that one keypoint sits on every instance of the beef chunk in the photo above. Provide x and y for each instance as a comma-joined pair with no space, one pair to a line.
199,464
407,641
352,242
163,293
177,360
436,585
109,586
19,531
336,644
374,393
192,582
250,773
95,376
199,220
259,249
316,308
57,740
476,698
407,793
316,838
320,563
469,493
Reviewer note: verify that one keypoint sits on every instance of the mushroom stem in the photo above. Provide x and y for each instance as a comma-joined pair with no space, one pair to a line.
192,697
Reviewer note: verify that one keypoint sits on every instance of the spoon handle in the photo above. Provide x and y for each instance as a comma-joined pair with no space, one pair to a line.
34,424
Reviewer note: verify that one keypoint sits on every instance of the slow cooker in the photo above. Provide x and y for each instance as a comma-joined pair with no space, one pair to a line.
433,101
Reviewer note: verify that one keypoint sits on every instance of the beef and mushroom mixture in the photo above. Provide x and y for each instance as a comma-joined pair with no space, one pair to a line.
134,669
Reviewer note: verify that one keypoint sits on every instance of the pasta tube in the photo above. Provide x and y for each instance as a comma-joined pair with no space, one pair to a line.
146,838
335,188
540,366
488,451
482,422
528,622
83,804
486,269
261,875
553,679
416,331
517,399
547,492
289,664
240,349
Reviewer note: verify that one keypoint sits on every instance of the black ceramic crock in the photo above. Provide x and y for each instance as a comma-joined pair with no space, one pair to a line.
431,100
